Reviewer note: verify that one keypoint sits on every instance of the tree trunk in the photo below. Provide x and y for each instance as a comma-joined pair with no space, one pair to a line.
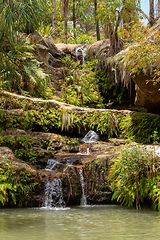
74,18
158,8
97,21
128,12
105,28
151,13
54,18
116,43
65,18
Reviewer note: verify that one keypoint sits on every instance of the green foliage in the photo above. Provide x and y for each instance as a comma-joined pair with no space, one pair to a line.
21,147
21,72
16,188
23,16
80,87
134,177
140,127
85,22
50,120
143,54
82,38
111,11
109,90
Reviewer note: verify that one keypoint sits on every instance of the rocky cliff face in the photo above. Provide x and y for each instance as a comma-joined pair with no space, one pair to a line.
94,165
147,95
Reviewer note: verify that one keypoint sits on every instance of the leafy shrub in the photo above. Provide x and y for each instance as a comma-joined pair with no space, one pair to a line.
140,127
81,87
16,189
21,72
21,147
134,177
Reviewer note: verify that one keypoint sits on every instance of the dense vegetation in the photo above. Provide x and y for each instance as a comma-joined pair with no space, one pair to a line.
82,22
134,176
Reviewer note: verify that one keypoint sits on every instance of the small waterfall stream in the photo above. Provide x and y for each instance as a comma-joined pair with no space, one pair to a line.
83,149
90,137
53,192
51,164
81,51
53,188
84,196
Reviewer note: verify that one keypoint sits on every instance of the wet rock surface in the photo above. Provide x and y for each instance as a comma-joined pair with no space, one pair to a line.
56,161
93,162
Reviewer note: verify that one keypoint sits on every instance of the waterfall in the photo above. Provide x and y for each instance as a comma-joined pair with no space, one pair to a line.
51,164
90,137
83,149
53,188
81,51
54,194
84,196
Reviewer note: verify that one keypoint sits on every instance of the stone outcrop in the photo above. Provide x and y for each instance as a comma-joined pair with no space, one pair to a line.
54,103
47,51
51,56
67,48
98,49
76,51
94,165
147,95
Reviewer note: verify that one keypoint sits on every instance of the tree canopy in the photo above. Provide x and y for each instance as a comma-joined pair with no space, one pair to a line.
71,21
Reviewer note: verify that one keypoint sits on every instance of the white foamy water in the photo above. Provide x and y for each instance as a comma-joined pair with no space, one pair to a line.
84,196
90,137
53,192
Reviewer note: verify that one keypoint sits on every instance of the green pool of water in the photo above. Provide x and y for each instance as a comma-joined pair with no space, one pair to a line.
91,223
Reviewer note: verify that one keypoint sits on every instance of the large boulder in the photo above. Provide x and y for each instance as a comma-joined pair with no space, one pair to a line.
147,92
147,95
67,48
47,51
98,49
76,51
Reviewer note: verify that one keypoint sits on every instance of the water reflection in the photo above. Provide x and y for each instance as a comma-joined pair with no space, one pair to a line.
91,223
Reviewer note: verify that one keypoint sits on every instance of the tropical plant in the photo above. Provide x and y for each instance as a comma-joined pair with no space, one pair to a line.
80,87
19,70
140,127
16,188
134,177
143,56
21,15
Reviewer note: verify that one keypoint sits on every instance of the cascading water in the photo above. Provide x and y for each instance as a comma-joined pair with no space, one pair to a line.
84,196
51,164
90,137
81,51
83,149
54,194
53,188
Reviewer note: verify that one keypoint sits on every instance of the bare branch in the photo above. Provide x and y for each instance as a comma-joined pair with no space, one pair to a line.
143,13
